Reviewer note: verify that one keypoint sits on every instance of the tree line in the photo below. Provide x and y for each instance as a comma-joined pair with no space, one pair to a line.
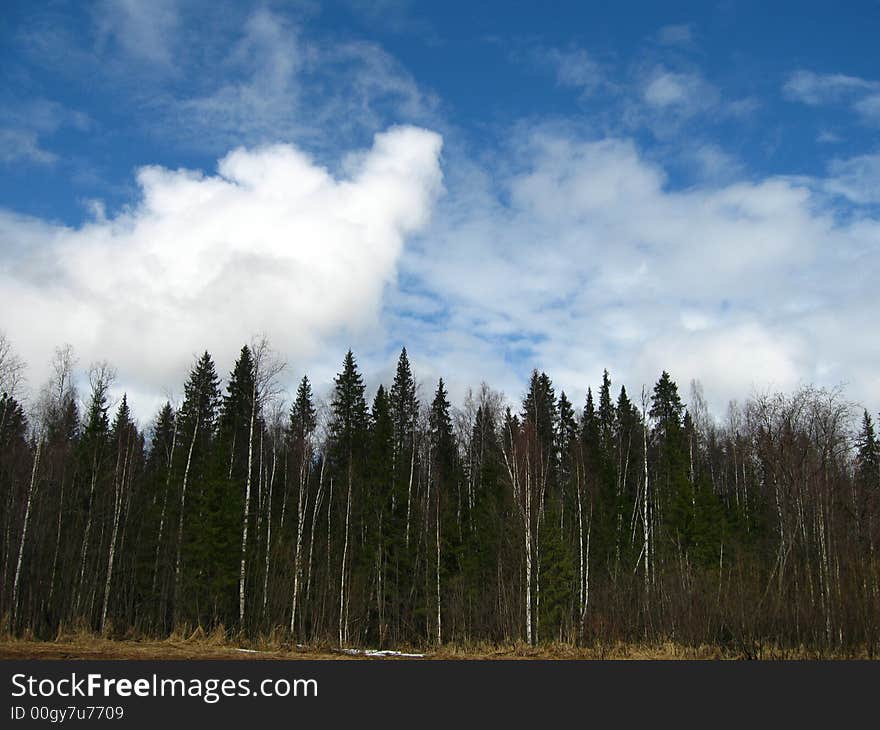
405,521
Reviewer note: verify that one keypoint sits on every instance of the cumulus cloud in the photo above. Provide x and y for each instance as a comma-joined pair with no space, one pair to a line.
584,257
269,243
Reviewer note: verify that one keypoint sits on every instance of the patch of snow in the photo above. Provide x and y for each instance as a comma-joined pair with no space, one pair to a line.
380,652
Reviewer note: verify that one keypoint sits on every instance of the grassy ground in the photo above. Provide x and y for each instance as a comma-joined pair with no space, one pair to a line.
83,646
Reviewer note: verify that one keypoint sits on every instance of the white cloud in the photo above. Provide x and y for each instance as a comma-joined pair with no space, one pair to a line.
23,145
575,68
23,127
863,95
856,178
274,84
270,243
667,89
143,30
668,100
813,88
869,108
711,163
582,258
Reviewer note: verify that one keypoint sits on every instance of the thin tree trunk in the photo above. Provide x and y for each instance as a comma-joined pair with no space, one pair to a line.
192,444
269,526
300,524
437,524
247,505
343,623
24,531
117,509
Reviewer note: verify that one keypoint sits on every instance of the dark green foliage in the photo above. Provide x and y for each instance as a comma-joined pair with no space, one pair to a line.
868,454
349,420
764,528
303,419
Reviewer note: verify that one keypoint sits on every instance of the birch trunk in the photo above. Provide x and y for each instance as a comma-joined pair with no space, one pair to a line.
24,531
247,505
646,548
117,510
269,526
192,444
169,465
412,462
437,525
87,532
315,507
343,615
300,524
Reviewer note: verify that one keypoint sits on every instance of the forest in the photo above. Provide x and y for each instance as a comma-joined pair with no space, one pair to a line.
396,519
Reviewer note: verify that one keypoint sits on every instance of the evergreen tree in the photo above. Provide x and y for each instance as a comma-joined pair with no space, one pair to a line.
590,427
404,407
676,491
377,511
868,454
303,417
539,409
202,554
349,413
606,414
348,428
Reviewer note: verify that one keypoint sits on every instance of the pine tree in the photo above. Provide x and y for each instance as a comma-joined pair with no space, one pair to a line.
606,414
122,435
230,509
379,483
590,427
404,407
676,492
235,415
666,408
195,546
303,417
539,408
94,448
348,427
444,479
154,586
868,454
348,423
303,421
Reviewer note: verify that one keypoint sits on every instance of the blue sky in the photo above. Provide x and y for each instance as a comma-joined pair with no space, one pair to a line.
499,186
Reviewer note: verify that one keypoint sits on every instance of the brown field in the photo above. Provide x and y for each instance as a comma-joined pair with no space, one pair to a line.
79,646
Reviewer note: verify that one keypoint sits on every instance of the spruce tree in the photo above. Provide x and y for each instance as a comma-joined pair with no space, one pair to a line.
303,417
676,492
590,427
868,454
348,428
606,414
196,541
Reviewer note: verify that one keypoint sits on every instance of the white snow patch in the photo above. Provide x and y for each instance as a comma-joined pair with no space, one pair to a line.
380,652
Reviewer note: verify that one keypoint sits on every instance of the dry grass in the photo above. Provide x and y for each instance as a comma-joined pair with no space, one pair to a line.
196,644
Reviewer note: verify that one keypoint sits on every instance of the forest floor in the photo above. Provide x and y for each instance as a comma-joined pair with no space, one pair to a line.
90,647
